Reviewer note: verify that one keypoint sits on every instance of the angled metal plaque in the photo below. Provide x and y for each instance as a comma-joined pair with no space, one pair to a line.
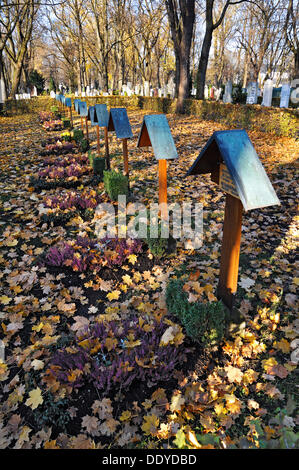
119,122
83,109
92,115
68,102
235,150
76,104
102,115
155,132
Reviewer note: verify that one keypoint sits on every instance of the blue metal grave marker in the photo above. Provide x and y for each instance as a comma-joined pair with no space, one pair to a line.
235,150
119,122
234,164
83,109
92,116
76,104
102,115
155,132
68,102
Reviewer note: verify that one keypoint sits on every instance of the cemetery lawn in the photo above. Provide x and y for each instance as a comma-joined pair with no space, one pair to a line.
242,394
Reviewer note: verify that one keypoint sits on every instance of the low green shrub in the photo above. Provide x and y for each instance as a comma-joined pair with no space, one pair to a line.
204,323
66,123
159,246
98,165
78,135
83,145
115,184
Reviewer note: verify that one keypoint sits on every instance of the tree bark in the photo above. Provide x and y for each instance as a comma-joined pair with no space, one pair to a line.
181,18
203,63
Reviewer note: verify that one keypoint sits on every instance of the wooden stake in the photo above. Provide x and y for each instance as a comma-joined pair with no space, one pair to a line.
71,117
107,148
86,123
98,140
230,250
125,155
163,188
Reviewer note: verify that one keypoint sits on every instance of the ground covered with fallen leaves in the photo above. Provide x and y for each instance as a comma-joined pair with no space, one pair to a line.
92,358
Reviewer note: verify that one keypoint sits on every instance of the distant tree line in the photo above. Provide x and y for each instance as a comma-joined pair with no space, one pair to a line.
108,43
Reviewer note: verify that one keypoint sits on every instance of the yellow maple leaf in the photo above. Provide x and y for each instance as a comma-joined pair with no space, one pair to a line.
132,259
13,242
125,416
283,345
5,300
35,398
177,402
127,280
150,424
268,365
114,295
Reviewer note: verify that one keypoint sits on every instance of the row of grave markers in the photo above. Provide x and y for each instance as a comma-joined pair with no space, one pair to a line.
214,93
228,156
253,92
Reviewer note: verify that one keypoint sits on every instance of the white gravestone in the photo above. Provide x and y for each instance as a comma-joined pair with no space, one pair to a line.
206,92
146,89
218,94
267,95
252,93
228,98
285,95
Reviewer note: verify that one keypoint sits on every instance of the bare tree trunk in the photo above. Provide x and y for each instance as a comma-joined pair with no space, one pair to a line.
203,63
181,19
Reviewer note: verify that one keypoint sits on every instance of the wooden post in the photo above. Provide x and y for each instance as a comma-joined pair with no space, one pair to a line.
163,188
86,123
125,155
107,148
82,127
71,117
230,250
98,140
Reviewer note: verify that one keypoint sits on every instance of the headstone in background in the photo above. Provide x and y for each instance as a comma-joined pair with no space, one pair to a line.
105,93
160,92
83,94
141,90
252,93
151,92
228,93
267,95
171,88
285,95
87,90
76,93
129,89
164,91
17,97
206,92
52,94
146,89
218,94
2,91
137,89
193,92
